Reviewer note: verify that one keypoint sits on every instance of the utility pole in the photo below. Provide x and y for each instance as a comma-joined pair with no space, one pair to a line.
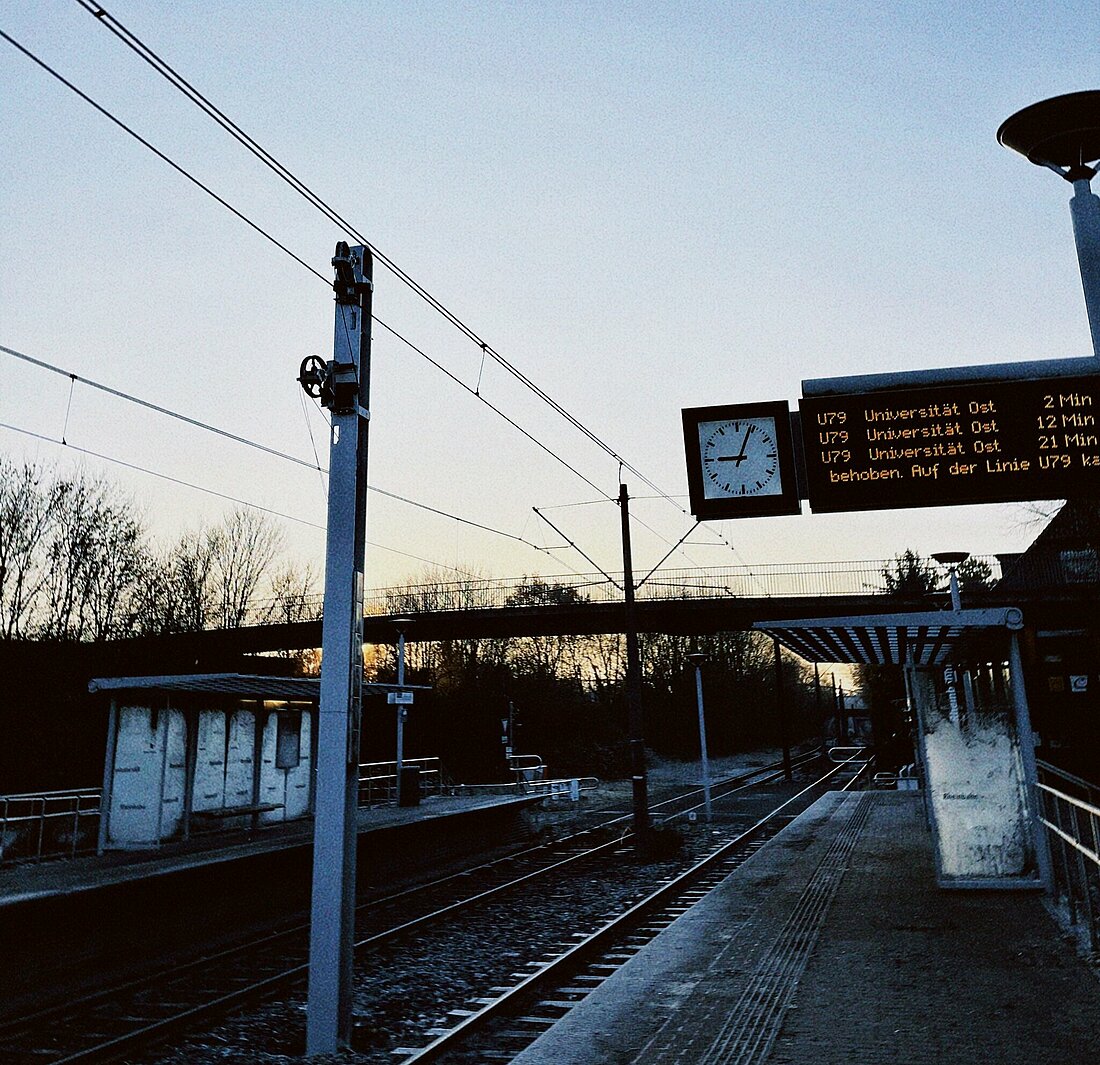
343,386
399,760
633,682
817,709
697,659
781,709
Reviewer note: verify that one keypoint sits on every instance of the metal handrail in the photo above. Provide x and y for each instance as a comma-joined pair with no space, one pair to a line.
1073,829
381,787
36,825
583,784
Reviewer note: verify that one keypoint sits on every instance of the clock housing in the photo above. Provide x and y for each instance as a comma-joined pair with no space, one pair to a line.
740,460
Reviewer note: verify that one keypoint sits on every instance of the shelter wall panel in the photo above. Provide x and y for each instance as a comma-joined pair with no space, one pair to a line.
135,791
174,728
210,761
240,758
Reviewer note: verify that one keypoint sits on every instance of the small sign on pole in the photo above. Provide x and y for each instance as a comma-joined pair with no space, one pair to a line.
399,698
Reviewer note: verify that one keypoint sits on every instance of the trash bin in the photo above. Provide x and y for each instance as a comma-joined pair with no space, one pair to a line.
409,786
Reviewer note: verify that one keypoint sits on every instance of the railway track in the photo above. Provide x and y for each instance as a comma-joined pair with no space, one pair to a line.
123,1020
505,1024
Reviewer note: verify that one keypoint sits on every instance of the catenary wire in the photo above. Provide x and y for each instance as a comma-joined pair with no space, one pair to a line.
475,392
175,166
236,438
162,67
210,491
149,56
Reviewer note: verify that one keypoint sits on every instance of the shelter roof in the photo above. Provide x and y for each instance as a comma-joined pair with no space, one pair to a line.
923,638
306,689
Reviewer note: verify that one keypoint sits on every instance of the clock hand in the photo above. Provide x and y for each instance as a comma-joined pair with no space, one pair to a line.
740,456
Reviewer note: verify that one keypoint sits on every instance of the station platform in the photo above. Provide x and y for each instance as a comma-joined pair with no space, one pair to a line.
67,926
833,944
28,881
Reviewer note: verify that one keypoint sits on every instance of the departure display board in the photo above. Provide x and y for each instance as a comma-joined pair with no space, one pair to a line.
953,443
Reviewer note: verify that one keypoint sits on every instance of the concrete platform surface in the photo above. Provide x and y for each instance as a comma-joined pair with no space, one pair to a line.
28,881
834,945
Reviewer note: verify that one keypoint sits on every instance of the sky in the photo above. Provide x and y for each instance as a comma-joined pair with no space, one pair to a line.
642,207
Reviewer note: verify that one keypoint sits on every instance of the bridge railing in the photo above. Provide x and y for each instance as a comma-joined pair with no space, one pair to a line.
810,579
782,579
1069,810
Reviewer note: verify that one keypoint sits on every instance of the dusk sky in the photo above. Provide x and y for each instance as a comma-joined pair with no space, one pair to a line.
642,207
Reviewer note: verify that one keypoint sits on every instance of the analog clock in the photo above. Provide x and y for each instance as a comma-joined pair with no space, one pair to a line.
740,457
740,460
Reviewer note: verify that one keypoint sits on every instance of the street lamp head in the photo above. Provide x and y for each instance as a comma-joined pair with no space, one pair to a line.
401,624
1062,133
697,658
951,558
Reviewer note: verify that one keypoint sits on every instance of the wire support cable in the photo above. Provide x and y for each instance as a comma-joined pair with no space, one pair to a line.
162,67
158,408
155,473
586,557
236,438
210,491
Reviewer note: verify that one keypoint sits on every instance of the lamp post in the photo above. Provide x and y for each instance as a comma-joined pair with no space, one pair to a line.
697,659
400,624
1063,134
952,560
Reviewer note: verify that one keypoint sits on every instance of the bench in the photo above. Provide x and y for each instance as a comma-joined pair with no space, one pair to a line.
223,812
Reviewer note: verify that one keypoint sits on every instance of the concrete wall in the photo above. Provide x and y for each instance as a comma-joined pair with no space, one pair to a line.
147,789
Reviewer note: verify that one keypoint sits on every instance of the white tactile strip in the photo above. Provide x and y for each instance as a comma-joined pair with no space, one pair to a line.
742,1031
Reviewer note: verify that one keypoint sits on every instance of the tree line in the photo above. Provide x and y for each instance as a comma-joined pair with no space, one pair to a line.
565,696
77,562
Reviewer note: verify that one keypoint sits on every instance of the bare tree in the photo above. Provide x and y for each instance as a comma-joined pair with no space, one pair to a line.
26,508
294,595
95,556
242,547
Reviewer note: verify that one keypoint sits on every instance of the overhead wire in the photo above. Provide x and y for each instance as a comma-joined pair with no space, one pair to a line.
208,491
162,67
583,555
244,440
177,80
181,83
205,188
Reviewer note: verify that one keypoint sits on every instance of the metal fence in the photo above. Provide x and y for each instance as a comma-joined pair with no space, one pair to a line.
1069,809
49,824
378,780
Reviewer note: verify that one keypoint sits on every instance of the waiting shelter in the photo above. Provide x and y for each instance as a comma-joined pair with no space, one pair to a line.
201,752
975,745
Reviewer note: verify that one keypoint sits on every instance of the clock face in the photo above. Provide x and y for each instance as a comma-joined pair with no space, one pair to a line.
740,458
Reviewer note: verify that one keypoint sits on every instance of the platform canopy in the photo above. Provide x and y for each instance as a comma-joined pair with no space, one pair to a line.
923,638
307,689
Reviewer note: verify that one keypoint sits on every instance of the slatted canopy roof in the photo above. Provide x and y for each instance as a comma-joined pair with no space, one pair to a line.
927,638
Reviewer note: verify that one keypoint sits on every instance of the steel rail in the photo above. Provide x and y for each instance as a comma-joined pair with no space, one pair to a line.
221,1004
609,931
